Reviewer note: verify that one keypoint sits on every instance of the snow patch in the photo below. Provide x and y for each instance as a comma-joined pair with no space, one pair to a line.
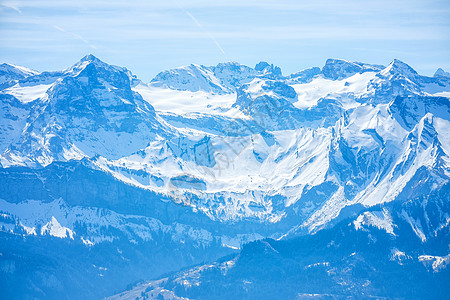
379,219
437,263
53,228
27,94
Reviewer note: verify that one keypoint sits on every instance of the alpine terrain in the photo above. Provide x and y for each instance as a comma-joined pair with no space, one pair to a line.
224,182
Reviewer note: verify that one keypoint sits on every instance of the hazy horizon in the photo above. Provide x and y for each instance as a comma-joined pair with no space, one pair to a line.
150,37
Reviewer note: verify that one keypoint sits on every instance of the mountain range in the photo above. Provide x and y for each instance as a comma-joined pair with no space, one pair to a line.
225,181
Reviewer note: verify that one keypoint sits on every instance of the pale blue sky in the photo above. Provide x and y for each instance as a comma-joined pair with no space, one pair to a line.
151,36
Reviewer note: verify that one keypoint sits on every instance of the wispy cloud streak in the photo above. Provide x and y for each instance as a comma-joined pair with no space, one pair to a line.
199,25
153,35
11,6
76,36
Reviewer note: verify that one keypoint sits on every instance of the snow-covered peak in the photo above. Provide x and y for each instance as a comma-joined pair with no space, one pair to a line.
90,62
221,79
268,156
397,67
19,70
90,110
10,74
399,79
83,62
337,69
190,78
441,73
90,58
93,85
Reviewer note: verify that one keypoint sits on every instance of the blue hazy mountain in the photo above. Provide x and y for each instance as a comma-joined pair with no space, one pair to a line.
360,257
336,174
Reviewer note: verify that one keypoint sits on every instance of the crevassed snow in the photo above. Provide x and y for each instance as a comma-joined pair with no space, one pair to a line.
320,87
185,102
27,93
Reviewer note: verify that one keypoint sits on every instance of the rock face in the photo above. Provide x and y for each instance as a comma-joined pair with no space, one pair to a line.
138,179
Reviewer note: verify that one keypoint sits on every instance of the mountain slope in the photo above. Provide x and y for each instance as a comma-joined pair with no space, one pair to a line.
376,254
90,106
210,158
234,160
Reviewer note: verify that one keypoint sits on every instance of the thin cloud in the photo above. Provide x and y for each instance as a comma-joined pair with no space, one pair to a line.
347,7
12,6
76,36
199,25
156,31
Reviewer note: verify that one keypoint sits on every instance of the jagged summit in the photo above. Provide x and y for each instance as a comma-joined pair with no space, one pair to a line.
441,73
90,57
268,69
226,78
85,108
399,67
90,61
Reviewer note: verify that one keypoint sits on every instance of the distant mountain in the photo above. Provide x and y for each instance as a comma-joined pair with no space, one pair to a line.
135,180
223,78
11,74
304,76
340,69
441,73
